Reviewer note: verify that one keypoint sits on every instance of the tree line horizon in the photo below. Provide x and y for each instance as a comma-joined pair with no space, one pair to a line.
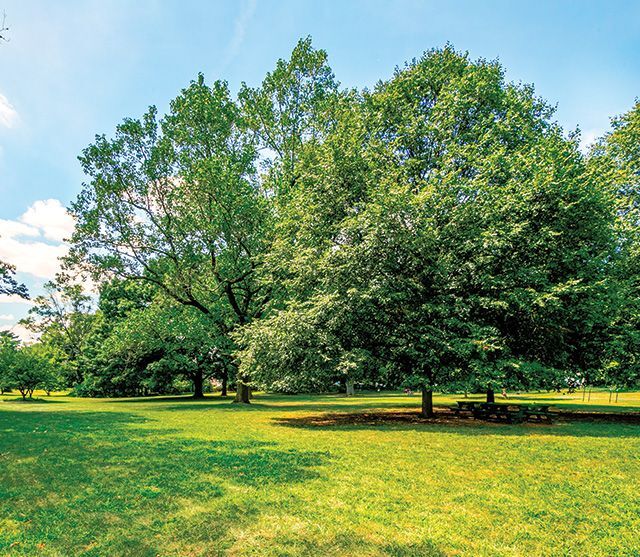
440,231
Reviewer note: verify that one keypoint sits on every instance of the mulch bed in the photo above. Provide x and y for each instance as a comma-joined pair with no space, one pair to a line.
444,417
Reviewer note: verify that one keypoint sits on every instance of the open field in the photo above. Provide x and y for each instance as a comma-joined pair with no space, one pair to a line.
173,476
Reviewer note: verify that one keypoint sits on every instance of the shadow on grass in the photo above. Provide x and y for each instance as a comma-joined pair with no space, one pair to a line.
103,482
182,399
567,424
275,405
19,400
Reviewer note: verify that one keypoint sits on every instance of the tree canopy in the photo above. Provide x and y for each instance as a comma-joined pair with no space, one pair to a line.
437,231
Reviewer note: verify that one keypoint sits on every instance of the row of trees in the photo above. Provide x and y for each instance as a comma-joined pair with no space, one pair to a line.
438,231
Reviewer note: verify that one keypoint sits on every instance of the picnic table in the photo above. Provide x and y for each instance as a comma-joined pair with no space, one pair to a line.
539,411
508,412
465,406
512,413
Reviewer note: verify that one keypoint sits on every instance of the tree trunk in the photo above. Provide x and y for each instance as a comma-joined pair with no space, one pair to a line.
351,391
198,381
225,380
491,396
427,402
242,393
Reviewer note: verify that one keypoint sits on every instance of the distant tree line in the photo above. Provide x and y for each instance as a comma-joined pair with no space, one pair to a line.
439,231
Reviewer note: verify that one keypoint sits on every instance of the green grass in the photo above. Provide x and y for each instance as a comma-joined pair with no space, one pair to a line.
167,477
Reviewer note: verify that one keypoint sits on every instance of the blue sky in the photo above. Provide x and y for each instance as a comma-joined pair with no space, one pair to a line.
76,68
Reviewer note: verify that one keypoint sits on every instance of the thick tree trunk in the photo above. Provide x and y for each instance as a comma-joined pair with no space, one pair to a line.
198,382
427,402
491,396
225,381
351,390
242,393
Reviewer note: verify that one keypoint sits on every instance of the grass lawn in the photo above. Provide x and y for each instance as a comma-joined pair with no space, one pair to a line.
172,476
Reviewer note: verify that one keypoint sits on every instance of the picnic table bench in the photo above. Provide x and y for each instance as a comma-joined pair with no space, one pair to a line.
512,413
464,406
539,411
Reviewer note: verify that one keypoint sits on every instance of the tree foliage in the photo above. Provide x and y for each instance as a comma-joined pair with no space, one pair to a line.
437,231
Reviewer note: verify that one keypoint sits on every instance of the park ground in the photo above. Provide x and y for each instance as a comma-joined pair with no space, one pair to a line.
178,477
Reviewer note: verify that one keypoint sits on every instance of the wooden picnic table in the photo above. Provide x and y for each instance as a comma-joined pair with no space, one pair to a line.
512,413
539,411
509,412
465,406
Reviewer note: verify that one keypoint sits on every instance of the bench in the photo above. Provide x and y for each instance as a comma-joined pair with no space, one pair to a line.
464,406
540,412
501,412
511,413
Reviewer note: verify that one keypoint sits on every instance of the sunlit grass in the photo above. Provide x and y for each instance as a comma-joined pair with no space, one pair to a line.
175,476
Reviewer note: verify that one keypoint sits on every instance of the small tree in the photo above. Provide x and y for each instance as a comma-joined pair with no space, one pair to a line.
27,371
63,318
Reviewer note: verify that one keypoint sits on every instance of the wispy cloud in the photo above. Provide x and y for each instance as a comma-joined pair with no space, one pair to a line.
7,317
8,114
239,31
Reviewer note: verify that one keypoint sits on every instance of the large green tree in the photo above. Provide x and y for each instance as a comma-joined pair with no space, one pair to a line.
181,202
615,162
451,202
175,202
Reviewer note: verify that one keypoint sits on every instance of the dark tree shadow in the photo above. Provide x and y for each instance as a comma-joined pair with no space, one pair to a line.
180,399
19,400
566,423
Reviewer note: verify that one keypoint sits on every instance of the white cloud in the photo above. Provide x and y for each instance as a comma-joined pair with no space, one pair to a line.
24,334
45,220
14,299
8,114
12,228
51,217
7,317
36,258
